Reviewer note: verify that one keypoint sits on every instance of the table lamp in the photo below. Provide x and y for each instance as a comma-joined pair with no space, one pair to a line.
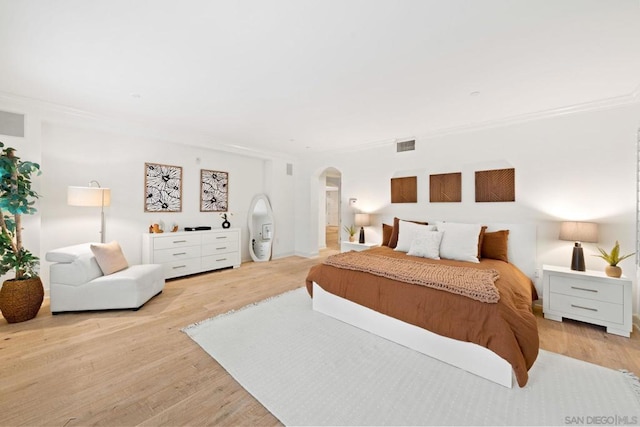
362,220
578,232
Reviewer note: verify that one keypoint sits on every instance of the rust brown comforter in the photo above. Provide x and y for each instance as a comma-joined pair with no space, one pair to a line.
508,328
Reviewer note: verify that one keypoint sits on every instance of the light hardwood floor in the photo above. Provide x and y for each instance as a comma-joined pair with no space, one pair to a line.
122,368
332,237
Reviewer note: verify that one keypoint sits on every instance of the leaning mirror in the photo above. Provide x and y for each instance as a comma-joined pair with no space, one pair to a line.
261,228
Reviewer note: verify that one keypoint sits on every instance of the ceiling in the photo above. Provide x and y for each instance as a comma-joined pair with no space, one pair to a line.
294,76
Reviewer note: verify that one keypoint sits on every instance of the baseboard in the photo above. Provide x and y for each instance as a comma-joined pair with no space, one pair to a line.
636,321
307,254
283,255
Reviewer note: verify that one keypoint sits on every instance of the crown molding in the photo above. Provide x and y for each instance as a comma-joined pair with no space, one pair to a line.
585,107
61,113
57,113
591,106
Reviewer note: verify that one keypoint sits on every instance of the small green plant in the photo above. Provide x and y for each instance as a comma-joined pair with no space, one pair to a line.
614,257
16,199
351,230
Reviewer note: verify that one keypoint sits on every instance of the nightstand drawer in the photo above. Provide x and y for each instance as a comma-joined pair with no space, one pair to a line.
585,288
584,307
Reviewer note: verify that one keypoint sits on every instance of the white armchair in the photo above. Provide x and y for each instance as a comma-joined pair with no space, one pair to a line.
78,284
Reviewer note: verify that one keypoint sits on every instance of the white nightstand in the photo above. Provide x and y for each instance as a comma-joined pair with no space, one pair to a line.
355,246
589,296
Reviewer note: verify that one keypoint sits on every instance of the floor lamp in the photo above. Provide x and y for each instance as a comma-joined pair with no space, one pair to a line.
91,196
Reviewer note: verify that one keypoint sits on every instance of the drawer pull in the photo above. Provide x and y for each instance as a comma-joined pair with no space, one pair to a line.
584,308
175,267
219,249
179,241
179,253
221,259
585,289
221,237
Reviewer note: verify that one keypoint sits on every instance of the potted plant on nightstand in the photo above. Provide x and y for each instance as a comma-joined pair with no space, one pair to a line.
351,230
21,297
613,258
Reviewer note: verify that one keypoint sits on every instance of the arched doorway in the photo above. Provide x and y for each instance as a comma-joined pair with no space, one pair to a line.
329,212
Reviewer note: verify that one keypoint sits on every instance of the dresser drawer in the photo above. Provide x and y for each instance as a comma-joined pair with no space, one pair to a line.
214,262
181,267
189,252
222,237
174,254
588,289
220,248
597,310
178,241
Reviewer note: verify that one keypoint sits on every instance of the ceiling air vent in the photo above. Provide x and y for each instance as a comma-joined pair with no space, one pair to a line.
405,146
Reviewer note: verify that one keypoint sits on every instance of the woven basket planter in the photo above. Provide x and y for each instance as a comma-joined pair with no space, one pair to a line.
20,300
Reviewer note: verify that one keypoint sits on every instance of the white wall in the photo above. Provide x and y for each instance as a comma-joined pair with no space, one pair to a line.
279,187
75,156
74,149
573,167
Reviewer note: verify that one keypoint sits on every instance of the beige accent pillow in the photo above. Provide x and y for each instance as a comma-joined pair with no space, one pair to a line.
109,257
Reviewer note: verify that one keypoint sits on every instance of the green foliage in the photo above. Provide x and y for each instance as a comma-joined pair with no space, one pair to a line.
351,230
16,199
614,257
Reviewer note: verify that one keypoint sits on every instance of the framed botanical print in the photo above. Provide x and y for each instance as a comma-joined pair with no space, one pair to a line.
214,191
162,188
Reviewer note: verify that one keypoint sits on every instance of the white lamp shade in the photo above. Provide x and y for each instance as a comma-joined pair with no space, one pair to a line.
88,196
576,231
362,220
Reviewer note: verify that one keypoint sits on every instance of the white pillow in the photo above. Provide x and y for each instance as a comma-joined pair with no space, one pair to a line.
407,231
459,241
427,245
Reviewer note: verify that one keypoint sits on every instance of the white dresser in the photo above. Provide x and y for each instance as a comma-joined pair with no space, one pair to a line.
189,252
588,296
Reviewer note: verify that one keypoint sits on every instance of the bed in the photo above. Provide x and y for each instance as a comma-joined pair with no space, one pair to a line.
497,341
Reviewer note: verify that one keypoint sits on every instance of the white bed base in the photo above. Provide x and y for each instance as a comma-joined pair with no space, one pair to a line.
465,355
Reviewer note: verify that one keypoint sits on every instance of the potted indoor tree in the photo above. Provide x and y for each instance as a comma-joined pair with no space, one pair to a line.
20,297
613,258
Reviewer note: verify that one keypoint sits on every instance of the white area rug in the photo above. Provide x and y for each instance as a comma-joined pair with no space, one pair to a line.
309,369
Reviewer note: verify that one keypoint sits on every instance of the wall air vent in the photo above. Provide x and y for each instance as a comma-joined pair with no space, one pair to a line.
405,146
11,124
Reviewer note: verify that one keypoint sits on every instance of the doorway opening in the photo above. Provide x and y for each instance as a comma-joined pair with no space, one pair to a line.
330,208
